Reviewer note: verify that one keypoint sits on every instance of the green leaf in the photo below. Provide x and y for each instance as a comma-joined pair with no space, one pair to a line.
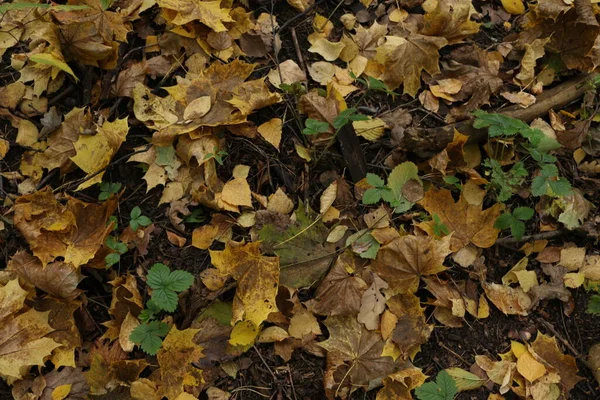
112,259
197,216
548,183
465,380
218,310
372,196
165,284
443,389
504,221
499,124
523,213
149,336
165,156
517,229
439,228
134,225
50,59
314,127
136,212
144,221
375,180
593,305
106,4
452,180
400,175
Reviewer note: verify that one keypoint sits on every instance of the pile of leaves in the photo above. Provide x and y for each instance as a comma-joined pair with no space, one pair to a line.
175,201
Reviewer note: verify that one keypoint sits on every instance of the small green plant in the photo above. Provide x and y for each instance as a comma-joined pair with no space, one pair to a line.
137,219
374,84
108,189
514,221
314,127
295,89
548,183
444,388
150,336
396,192
505,183
217,154
593,306
537,145
439,228
165,284
118,249
198,215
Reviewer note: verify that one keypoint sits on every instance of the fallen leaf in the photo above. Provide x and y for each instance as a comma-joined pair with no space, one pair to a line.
403,261
271,131
340,283
57,279
75,231
403,60
545,348
372,303
360,348
529,367
411,330
237,191
468,223
257,277
175,358
23,333
450,19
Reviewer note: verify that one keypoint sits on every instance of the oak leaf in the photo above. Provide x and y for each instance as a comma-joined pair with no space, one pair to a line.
403,261
404,58
468,223
257,276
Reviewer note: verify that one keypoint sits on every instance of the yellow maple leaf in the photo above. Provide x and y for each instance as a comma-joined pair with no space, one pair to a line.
257,277
175,358
209,13
94,152
23,335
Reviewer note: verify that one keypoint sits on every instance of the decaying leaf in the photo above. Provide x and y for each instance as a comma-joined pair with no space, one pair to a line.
358,349
257,276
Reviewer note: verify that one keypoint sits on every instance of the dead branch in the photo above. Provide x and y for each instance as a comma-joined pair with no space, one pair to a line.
427,142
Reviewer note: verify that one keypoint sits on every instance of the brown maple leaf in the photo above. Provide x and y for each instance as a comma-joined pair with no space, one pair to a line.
340,284
350,342
468,223
450,19
404,58
403,261
75,231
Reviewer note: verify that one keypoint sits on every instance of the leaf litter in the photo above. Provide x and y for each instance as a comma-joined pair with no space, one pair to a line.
187,206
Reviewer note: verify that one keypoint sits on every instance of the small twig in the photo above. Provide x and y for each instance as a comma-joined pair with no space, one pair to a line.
537,236
264,362
295,17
